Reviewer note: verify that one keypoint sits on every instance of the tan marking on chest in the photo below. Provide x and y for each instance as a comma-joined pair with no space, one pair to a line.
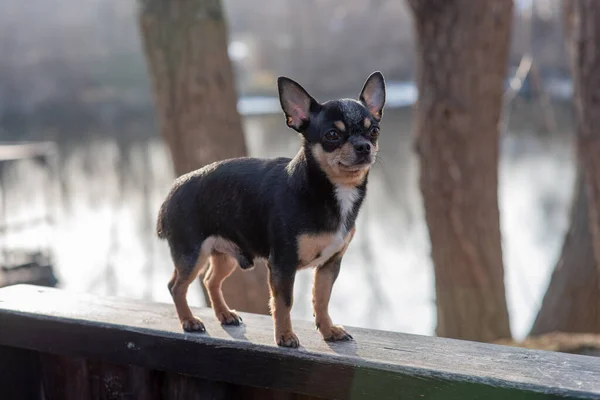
316,249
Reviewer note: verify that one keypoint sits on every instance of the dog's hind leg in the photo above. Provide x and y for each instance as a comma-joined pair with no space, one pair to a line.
221,266
186,270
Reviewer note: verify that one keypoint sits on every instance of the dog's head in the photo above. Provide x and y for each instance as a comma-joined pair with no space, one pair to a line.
340,135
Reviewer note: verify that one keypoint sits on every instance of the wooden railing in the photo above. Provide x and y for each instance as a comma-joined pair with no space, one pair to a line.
60,345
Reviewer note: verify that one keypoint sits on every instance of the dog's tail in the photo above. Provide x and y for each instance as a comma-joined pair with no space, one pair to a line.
160,223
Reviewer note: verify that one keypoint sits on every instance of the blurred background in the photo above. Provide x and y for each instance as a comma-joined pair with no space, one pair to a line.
75,74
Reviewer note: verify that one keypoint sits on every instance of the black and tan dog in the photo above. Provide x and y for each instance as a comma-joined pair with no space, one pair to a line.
295,213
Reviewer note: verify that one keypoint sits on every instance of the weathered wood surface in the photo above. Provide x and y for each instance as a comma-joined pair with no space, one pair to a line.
20,374
78,378
377,365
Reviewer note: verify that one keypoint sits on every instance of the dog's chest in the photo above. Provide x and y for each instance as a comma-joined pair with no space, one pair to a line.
346,198
315,249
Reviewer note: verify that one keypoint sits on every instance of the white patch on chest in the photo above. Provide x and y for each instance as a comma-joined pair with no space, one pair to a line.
346,197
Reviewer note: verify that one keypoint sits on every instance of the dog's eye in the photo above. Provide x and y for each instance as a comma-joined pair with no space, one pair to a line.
374,132
332,136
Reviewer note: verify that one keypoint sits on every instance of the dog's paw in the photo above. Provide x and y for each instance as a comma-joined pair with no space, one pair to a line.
288,339
229,317
336,333
193,325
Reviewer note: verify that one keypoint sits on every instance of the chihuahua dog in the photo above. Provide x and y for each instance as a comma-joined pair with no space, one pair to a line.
294,213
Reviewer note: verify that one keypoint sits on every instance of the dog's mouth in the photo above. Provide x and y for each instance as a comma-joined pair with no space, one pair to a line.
358,166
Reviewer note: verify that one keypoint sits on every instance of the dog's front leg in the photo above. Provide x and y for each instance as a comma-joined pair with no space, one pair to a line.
325,277
281,284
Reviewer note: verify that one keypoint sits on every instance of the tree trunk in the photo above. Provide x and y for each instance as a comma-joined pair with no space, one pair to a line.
587,108
462,52
572,301
185,42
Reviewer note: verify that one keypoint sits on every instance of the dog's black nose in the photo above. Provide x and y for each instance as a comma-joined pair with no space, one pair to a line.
362,148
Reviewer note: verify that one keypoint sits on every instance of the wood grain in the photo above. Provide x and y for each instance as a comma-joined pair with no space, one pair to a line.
377,365
20,373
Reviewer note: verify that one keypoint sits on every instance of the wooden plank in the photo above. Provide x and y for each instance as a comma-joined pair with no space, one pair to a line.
180,387
64,378
252,393
20,374
78,378
377,365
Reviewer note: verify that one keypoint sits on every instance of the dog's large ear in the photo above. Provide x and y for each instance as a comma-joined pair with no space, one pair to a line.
373,94
296,103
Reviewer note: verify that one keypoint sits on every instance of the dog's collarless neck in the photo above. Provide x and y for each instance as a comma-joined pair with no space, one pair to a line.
307,178
307,170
